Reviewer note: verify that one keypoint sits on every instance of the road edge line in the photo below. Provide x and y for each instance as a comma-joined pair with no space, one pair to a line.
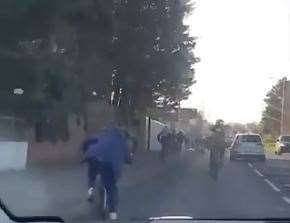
258,172
286,199
273,186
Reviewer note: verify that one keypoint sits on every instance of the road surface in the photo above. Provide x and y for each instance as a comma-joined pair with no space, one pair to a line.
187,189
180,186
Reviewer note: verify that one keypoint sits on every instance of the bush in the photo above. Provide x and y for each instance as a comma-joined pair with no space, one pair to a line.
269,139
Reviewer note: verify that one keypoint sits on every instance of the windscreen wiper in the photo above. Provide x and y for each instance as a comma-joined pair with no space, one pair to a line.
15,218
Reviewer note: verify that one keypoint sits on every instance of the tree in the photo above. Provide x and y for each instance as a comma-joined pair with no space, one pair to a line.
60,52
237,127
271,115
54,51
153,53
253,127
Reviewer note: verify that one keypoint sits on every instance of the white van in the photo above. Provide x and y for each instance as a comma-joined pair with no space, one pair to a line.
247,146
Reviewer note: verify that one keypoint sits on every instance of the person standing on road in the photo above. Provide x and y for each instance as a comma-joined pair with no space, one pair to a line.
164,138
131,141
217,148
180,139
173,146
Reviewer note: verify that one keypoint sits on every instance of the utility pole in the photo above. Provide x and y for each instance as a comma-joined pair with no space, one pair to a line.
285,112
283,109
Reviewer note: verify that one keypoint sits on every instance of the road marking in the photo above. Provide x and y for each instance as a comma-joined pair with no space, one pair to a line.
258,172
286,199
272,185
250,165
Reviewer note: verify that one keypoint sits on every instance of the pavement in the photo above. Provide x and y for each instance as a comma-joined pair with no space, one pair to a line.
179,186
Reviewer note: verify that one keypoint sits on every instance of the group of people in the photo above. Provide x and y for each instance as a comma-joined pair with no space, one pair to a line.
107,151
170,141
215,143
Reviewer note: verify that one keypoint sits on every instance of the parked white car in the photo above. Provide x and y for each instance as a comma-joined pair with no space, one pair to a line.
282,145
247,146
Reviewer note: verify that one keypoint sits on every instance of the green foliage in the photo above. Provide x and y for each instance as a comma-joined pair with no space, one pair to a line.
269,139
269,143
59,52
272,113
153,52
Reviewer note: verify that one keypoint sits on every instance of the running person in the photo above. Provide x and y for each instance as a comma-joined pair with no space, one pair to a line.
106,155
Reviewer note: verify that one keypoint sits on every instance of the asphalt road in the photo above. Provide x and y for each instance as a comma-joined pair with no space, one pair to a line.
180,186
186,189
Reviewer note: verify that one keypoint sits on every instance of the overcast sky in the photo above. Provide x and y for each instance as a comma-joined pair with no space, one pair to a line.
244,49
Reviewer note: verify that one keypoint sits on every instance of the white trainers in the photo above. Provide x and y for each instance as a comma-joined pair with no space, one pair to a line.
91,194
113,216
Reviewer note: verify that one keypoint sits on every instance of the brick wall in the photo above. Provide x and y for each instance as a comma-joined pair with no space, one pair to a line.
57,153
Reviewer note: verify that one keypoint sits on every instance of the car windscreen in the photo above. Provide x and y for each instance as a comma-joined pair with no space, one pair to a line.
285,138
130,109
251,138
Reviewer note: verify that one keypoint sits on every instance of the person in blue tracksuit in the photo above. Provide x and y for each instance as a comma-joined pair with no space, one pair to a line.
106,154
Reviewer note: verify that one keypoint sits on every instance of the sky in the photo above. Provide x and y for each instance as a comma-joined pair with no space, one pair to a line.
244,49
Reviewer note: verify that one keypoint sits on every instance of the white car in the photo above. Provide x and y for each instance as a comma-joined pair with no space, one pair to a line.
282,145
247,146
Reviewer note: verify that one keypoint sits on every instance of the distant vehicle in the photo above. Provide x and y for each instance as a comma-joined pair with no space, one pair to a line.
282,145
247,146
